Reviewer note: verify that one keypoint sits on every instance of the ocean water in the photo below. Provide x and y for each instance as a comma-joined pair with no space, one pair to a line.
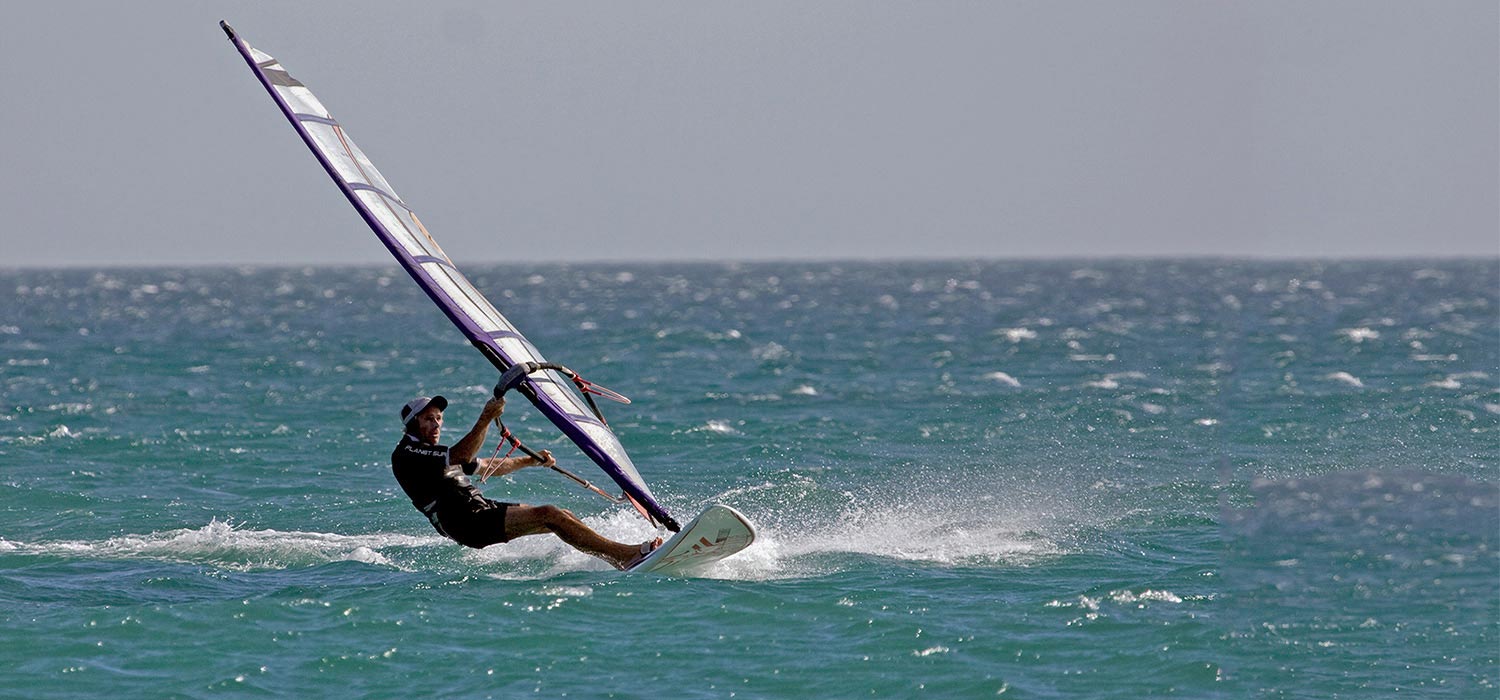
1104,479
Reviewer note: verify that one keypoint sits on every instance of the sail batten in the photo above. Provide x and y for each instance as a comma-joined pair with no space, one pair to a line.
396,225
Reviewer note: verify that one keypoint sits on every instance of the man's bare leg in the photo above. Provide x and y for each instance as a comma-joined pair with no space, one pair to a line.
522,520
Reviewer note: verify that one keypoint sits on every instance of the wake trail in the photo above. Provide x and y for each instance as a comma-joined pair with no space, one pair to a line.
221,544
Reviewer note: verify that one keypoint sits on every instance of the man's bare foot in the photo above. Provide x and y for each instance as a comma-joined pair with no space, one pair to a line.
646,549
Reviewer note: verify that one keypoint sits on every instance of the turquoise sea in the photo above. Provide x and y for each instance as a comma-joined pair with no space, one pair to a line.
1039,479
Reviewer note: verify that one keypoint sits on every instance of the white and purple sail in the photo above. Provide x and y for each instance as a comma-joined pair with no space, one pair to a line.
415,249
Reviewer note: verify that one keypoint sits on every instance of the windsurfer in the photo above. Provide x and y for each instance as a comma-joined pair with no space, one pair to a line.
436,478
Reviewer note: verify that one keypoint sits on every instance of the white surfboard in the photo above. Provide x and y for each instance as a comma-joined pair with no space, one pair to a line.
717,532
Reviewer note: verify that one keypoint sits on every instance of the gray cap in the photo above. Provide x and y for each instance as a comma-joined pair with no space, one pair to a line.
419,404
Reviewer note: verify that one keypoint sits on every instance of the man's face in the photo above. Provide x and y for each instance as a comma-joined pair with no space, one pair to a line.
428,424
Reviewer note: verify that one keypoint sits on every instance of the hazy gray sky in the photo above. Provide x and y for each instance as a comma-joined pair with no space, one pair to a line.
132,133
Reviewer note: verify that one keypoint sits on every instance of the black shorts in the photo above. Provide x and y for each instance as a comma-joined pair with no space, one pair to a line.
477,527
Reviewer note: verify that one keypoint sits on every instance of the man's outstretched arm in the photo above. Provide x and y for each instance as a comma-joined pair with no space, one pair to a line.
500,466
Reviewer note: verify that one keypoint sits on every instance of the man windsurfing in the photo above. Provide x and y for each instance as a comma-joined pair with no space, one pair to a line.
436,478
